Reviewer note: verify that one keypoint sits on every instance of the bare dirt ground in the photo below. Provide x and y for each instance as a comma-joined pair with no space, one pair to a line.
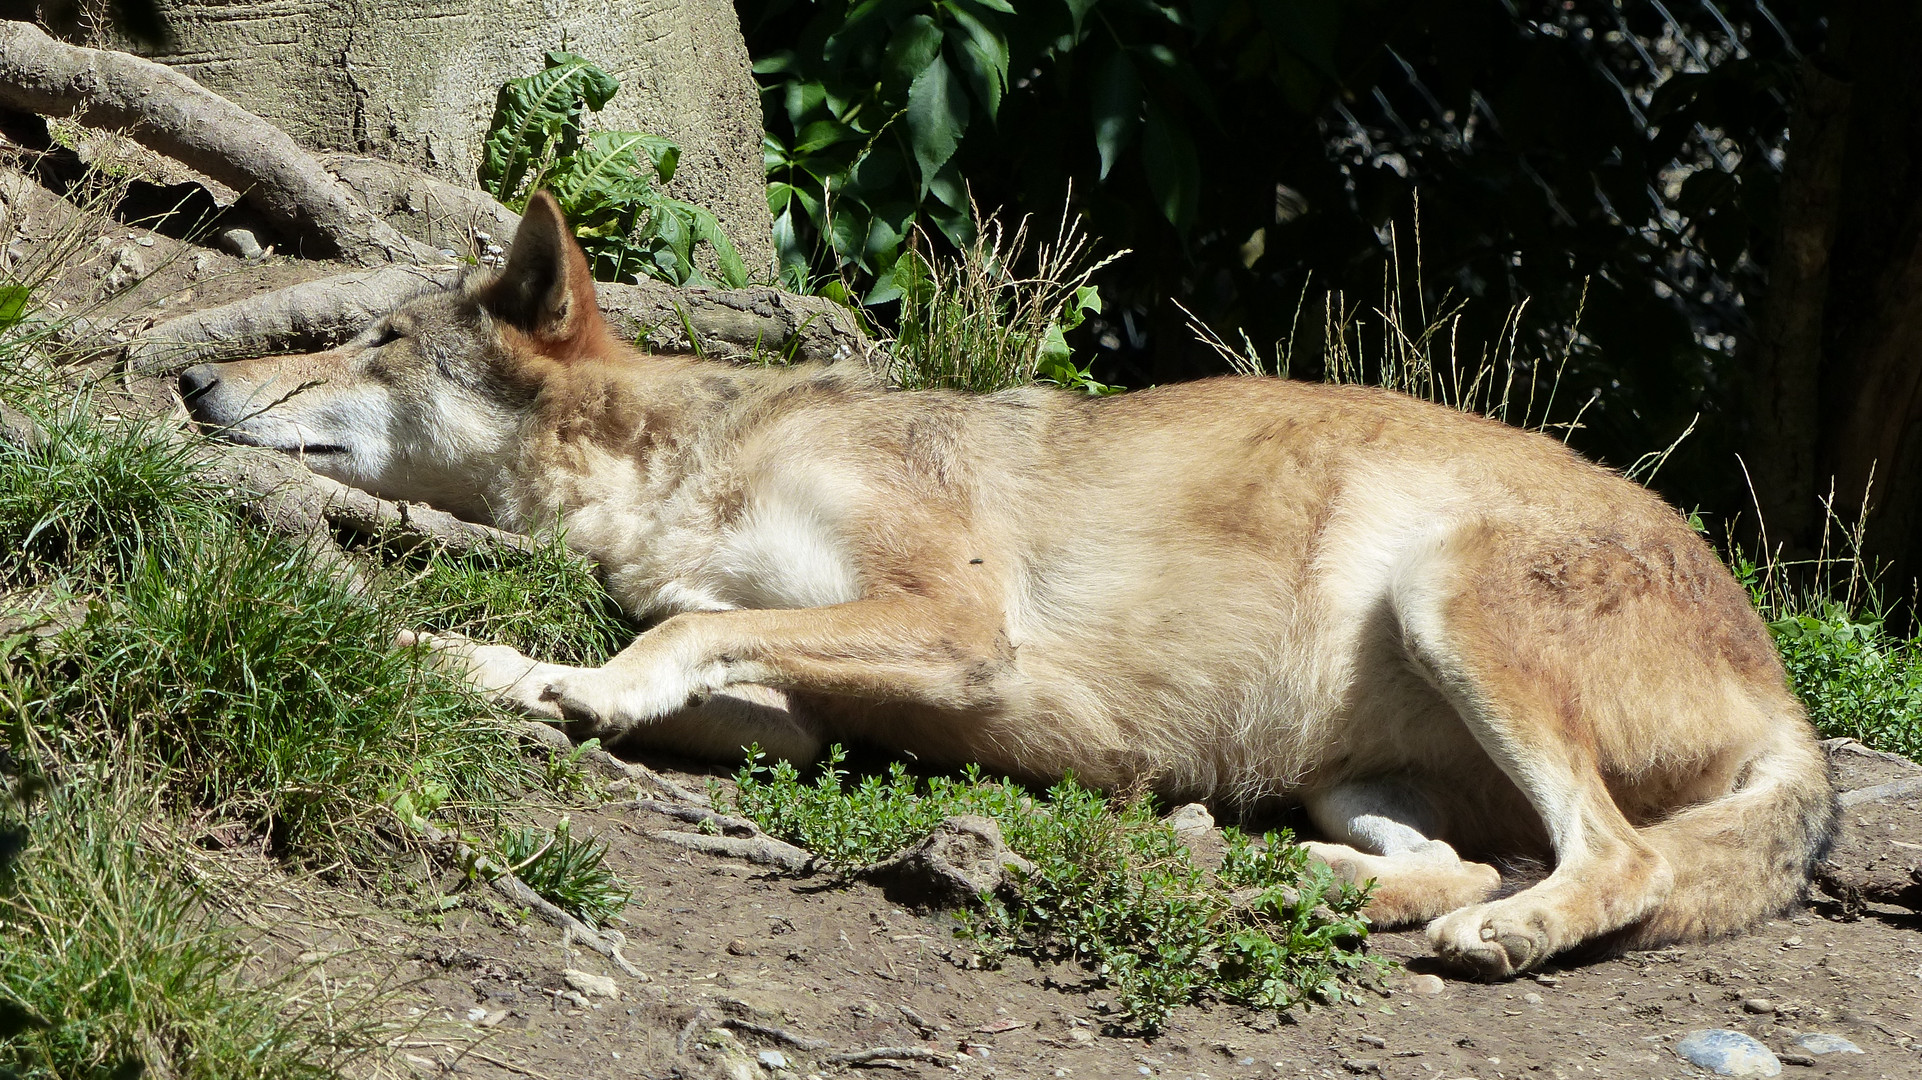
732,951
752,973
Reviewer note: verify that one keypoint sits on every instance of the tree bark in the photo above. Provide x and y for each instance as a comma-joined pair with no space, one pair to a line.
176,116
1871,397
1783,383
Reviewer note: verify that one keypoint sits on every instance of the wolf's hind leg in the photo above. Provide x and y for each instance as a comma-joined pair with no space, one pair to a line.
1383,829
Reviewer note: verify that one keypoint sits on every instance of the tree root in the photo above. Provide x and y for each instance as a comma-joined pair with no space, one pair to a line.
889,1053
774,1034
519,892
760,850
610,766
289,499
309,316
700,815
741,324
176,116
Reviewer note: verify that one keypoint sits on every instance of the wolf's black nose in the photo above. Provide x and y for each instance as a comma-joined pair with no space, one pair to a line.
196,381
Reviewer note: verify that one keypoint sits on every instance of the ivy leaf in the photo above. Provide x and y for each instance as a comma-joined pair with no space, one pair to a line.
1078,10
1174,174
937,116
1117,108
986,52
912,48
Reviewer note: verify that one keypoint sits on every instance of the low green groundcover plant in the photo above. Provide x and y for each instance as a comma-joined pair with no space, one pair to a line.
1112,887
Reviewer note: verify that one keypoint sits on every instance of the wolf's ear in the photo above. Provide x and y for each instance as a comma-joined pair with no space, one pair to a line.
546,288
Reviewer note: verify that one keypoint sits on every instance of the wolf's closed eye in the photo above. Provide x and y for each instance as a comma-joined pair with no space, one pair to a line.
387,335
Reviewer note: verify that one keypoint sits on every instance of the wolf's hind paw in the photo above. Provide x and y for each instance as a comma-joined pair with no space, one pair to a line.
1491,942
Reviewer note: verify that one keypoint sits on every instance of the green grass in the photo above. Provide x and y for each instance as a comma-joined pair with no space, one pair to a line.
91,496
972,323
218,671
544,602
1113,889
111,968
564,869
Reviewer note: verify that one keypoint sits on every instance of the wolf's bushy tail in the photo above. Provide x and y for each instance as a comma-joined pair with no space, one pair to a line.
1748,854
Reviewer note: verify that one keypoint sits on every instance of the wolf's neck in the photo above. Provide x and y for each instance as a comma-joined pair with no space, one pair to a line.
624,454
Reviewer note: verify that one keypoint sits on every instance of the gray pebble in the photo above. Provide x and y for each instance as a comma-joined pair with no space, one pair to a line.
773,1060
1762,1006
1822,1043
1426,984
241,241
1728,1053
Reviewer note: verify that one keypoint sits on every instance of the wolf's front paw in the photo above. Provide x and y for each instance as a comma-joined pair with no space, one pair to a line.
497,671
1494,940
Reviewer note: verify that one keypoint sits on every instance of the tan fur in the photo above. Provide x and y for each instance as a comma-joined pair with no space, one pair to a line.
1439,633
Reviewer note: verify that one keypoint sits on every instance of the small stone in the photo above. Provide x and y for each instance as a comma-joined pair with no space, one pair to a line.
1759,1006
448,253
1375,1041
1192,819
590,984
1822,1043
240,240
1795,1059
1532,998
961,861
1549,980
738,947
494,249
483,237
1426,984
476,1013
492,1019
1728,1053
772,1060
144,241
1081,1035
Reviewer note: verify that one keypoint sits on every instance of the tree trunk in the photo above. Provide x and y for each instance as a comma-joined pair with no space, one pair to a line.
1834,387
1871,398
1784,378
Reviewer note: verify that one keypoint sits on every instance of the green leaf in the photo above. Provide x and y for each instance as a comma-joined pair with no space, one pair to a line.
986,53
1078,10
822,133
13,304
1174,174
707,230
1116,97
937,117
948,186
539,115
664,152
914,46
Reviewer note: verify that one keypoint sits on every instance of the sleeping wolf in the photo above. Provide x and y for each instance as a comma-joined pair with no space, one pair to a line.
1448,639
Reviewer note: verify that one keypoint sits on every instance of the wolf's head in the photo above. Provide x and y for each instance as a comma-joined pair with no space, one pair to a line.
427,403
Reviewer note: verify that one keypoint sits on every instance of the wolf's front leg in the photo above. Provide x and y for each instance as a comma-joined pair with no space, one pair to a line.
500,672
899,649
718,725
